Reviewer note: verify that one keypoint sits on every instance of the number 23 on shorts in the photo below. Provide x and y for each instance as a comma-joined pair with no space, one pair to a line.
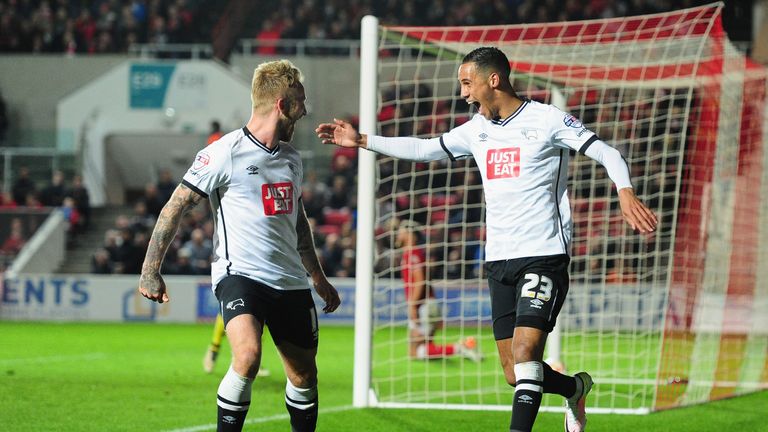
537,286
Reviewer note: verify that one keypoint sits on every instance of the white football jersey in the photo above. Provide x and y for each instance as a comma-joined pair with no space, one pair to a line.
254,194
523,160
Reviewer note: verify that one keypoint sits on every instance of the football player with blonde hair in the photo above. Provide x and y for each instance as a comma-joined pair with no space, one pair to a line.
264,249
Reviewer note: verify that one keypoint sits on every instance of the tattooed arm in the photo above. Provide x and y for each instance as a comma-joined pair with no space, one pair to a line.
151,284
306,248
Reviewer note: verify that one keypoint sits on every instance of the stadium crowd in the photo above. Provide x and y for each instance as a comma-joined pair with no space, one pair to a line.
445,197
329,205
111,26
26,200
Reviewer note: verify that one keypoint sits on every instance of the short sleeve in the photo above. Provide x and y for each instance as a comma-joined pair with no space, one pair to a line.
456,142
568,131
210,170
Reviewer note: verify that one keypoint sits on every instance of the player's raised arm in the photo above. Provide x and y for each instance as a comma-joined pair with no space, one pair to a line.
306,249
151,284
343,134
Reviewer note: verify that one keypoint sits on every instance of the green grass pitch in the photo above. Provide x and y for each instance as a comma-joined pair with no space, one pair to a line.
148,377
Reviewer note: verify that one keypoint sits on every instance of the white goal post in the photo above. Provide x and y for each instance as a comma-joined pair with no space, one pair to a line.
663,320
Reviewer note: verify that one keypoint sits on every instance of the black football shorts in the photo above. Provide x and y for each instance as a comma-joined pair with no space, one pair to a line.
290,315
527,292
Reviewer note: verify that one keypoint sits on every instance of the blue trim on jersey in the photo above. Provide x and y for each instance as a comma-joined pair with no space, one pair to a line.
513,115
260,144
557,204
194,189
224,226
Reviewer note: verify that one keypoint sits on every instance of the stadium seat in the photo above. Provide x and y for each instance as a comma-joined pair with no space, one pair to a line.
438,216
436,200
328,229
337,217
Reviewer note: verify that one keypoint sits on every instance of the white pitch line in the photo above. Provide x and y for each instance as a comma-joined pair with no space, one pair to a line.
51,359
271,418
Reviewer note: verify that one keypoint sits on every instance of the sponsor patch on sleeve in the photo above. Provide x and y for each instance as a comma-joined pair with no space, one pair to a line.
202,160
572,121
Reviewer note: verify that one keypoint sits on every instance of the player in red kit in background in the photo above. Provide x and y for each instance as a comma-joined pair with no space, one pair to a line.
424,312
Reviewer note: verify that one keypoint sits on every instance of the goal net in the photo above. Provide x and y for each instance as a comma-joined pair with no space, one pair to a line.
673,318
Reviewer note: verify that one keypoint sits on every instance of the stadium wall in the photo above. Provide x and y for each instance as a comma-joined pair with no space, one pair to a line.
115,298
32,86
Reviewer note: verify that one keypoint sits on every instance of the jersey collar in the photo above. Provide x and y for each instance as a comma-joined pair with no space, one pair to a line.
519,109
260,144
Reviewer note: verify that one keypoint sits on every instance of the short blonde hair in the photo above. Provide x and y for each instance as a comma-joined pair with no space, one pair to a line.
271,81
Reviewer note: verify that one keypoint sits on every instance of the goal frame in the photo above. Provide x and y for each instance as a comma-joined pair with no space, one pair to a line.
363,393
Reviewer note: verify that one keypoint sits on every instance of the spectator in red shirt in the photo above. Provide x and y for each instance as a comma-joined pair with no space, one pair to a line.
215,133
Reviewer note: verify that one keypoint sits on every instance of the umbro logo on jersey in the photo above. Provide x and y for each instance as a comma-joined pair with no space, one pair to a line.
536,303
235,303
253,169
483,137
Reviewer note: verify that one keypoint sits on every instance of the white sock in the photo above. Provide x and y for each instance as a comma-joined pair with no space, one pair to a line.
234,391
301,398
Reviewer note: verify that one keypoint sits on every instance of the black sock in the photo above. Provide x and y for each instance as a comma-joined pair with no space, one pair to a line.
302,404
557,383
230,421
302,420
528,392
233,399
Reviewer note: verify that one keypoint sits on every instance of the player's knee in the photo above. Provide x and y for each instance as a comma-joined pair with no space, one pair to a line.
305,379
304,376
246,361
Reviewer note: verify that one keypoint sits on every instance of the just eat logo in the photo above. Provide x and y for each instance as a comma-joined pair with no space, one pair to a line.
277,198
503,163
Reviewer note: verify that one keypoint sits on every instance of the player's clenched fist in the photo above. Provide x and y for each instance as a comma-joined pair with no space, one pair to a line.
152,286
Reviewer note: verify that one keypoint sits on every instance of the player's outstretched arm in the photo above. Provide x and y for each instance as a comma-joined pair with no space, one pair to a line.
341,133
306,248
151,283
637,215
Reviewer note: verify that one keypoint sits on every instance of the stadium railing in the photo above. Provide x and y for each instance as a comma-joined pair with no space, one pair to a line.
42,162
294,47
45,251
